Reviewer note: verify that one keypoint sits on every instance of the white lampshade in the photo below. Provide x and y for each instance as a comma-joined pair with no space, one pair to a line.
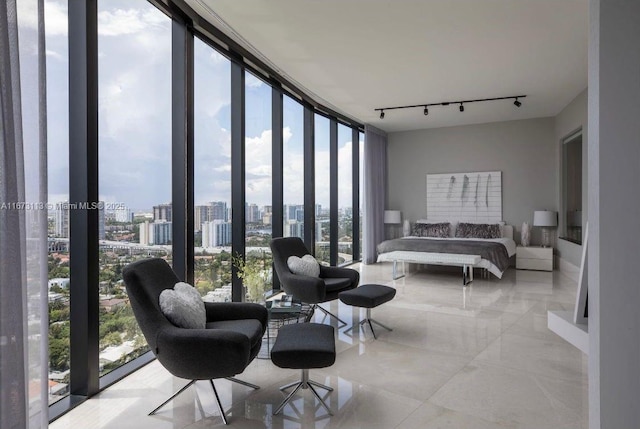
392,216
545,218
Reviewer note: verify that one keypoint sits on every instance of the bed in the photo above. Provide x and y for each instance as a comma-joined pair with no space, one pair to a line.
494,253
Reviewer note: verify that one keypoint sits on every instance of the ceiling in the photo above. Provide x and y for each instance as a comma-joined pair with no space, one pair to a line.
355,56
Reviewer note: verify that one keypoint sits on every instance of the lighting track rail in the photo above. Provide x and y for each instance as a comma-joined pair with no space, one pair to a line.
426,106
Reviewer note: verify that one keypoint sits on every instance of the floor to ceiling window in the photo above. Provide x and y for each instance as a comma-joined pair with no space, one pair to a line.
134,174
212,173
134,159
322,191
361,187
293,168
58,186
257,271
345,194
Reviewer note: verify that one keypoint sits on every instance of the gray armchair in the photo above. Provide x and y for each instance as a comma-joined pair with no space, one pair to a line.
311,290
230,341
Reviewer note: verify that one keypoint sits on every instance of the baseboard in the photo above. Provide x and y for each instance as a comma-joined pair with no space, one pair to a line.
568,269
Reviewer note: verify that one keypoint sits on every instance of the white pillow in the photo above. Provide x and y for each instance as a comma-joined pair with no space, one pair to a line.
305,266
183,306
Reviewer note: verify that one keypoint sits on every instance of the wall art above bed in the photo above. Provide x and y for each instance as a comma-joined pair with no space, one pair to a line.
475,197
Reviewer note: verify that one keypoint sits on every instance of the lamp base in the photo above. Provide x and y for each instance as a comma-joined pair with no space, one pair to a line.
545,237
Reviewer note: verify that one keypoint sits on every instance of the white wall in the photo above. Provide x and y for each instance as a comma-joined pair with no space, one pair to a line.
525,151
570,119
614,210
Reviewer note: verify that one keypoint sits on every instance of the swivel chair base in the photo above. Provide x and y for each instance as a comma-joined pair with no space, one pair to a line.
304,383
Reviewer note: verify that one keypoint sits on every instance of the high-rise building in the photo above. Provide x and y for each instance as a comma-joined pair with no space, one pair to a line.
143,233
201,215
161,233
101,221
62,220
216,233
294,228
162,212
123,214
218,211
252,213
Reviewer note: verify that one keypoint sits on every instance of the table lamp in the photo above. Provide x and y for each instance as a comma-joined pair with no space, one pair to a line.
545,219
392,217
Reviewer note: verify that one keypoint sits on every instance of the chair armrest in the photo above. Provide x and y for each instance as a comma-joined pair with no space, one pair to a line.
202,354
305,288
217,311
333,272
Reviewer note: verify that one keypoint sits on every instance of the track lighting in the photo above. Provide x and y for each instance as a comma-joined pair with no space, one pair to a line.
426,106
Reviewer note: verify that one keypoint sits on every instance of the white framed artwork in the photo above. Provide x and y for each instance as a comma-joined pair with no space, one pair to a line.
474,196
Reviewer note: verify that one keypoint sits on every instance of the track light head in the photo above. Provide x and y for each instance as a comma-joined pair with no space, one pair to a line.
382,114
461,107
517,103
426,111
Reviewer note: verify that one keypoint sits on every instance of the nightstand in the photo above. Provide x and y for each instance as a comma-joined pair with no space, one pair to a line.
534,258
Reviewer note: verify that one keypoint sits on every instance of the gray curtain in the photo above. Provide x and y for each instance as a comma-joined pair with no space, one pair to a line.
375,191
23,217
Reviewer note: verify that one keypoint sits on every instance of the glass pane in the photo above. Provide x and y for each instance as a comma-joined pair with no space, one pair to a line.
55,13
361,193
134,95
322,178
257,276
345,195
572,181
293,168
212,167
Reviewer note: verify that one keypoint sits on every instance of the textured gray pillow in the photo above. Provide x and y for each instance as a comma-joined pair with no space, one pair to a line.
305,266
183,306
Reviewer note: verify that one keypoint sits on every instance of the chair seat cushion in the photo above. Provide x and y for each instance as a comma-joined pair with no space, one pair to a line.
304,345
334,284
249,327
367,296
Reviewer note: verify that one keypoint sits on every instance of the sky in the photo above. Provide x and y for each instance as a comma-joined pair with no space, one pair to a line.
134,60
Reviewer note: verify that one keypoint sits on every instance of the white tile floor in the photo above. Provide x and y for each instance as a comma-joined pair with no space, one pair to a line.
478,358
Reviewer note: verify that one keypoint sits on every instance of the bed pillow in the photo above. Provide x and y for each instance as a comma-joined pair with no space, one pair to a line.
305,266
433,230
183,306
478,230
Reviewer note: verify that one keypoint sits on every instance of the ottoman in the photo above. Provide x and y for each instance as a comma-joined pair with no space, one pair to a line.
368,296
304,346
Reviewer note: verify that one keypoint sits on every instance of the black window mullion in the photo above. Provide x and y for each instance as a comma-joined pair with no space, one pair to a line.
333,192
309,180
238,228
277,142
355,180
182,150
83,188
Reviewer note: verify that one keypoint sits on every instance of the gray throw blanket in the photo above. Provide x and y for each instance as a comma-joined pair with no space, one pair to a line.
496,253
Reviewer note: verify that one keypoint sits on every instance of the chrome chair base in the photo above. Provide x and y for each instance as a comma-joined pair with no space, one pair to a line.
369,321
304,383
215,392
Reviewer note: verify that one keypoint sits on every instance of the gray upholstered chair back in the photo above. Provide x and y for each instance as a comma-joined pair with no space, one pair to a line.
145,280
284,247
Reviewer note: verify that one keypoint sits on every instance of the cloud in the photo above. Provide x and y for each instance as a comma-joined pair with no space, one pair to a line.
55,14
119,22
252,82
54,54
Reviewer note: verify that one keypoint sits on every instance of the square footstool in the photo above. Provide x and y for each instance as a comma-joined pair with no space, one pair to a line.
368,296
304,346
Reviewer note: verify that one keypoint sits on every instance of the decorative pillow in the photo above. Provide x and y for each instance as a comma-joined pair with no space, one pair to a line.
434,230
478,230
183,306
305,266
